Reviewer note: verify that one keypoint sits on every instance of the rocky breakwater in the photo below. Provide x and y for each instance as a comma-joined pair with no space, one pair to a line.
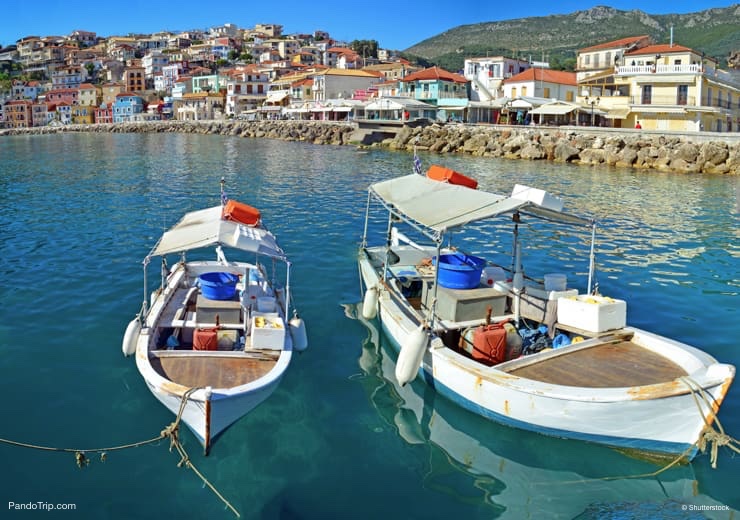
317,132
626,148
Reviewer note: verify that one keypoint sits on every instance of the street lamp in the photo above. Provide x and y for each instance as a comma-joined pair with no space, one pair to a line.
592,102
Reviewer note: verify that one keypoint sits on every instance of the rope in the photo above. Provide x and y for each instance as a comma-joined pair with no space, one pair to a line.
711,436
171,431
714,438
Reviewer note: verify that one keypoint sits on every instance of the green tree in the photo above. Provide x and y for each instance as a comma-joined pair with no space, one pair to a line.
365,48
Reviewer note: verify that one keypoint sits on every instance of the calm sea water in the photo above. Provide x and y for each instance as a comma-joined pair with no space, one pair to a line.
337,440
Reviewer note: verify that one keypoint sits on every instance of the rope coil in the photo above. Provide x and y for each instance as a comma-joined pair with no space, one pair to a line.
170,432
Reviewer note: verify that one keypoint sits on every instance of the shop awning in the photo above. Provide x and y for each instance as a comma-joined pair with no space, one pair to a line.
553,110
618,113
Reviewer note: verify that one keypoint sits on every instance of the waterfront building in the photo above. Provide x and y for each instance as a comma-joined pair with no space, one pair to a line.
665,87
487,75
82,114
126,106
341,83
446,90
246,89
199,106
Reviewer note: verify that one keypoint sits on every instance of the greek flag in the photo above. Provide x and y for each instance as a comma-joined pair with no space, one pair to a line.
417,164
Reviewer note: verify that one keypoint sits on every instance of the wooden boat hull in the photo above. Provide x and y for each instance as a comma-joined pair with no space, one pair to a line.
227,384
225,409
664,418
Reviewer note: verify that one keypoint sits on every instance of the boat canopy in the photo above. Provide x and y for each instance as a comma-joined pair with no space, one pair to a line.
204,228
441,206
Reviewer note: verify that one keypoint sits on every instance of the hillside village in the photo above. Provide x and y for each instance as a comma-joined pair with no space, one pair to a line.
262,74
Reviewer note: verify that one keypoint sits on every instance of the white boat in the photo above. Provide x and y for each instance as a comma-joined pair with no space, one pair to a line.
216,337
549,358
514,475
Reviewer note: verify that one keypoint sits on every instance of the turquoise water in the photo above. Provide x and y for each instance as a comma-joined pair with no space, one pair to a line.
78,213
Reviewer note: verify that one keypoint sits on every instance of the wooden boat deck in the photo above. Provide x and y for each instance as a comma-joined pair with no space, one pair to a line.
217,372
610,365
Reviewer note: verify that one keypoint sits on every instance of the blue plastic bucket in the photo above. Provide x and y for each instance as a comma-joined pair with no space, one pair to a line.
218,286
460,271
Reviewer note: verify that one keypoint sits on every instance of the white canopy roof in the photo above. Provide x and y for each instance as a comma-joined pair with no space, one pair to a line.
554,109
204,228
440,206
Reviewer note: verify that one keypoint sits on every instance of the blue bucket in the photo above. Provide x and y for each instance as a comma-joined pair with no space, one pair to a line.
218,286
460,271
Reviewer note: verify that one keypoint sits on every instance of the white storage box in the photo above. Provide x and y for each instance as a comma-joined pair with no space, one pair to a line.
592,313
540,197
268,331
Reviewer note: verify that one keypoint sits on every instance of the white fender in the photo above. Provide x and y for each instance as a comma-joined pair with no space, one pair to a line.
130,337
370,303
411,355
298,333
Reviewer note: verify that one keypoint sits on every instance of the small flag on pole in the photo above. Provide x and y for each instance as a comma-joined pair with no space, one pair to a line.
417,164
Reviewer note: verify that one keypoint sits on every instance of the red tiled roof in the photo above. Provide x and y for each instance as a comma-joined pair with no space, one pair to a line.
435,73
616,44
552,76
663,48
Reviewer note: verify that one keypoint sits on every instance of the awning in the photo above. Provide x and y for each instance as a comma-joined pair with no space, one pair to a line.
441,206
205,228
618,113
452,109
276,97
553,110
520,103
646,109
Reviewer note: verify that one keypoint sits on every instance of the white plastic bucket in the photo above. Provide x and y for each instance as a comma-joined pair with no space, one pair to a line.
492,274
555,282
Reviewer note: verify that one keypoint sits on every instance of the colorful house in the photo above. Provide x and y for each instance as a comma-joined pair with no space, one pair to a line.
83,114
127,105
446,90
18,114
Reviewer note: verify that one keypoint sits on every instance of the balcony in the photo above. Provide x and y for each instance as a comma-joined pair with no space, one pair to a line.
632,70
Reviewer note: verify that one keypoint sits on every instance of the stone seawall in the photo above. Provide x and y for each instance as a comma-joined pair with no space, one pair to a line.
643,150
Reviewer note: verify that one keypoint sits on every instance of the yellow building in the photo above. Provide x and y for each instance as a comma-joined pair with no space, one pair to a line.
664,87
83,114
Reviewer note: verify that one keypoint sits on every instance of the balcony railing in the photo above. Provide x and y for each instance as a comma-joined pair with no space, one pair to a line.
693,68
683,101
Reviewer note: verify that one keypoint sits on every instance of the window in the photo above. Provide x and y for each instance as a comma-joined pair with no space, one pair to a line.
524,91
647,94
683,95
513,92
546,92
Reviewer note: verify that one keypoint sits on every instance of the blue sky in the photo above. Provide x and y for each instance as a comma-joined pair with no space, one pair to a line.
395,25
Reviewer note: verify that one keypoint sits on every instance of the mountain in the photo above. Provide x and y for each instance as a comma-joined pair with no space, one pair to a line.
716,32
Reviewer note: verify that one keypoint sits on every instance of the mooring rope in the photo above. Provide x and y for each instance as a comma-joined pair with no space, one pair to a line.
171,432
714,437
711,436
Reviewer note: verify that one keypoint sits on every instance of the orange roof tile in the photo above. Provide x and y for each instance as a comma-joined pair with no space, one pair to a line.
552,76
624,42
663,48
435,73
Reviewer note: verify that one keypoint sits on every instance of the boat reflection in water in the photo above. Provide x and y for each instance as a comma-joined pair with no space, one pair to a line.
521,474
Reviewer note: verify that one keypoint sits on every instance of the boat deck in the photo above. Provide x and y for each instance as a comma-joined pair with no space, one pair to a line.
610,365
215,371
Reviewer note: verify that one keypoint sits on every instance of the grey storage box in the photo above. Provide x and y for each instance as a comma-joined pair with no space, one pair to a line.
464,304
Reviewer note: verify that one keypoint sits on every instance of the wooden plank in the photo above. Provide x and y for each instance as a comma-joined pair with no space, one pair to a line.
612,365
215,371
